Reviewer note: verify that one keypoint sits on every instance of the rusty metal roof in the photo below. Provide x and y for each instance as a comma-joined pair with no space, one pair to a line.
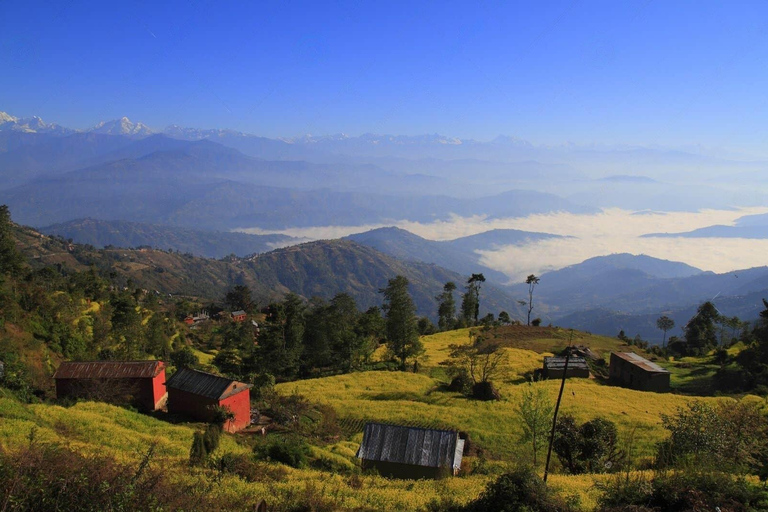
640,361
205,384
109,369
410,445
558,363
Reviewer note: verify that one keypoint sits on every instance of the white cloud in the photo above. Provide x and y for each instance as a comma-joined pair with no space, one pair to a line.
610,231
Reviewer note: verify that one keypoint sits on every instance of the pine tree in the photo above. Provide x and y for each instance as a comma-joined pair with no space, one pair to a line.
401,328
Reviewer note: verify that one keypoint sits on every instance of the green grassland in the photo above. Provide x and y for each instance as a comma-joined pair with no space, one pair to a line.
397,397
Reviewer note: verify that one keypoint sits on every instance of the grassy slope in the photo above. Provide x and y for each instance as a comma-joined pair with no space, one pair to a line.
385,396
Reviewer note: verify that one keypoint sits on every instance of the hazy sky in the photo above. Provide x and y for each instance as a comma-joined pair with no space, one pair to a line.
646,72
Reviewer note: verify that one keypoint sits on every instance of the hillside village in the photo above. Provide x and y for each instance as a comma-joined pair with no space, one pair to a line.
320,405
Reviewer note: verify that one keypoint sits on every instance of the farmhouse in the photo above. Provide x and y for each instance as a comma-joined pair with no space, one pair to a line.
410,452
139,382
195,393
554,366
633,371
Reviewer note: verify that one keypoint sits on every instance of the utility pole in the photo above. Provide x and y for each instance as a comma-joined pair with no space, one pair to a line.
557,406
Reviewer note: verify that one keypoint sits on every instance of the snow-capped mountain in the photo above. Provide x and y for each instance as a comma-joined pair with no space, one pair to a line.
122,126
30,125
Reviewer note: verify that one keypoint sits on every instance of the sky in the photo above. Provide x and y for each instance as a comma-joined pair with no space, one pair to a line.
586,72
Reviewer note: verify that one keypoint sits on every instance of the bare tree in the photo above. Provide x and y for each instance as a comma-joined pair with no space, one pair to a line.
531,281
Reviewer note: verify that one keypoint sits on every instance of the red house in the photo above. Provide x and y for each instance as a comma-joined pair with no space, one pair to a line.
238,316
139,382
195,393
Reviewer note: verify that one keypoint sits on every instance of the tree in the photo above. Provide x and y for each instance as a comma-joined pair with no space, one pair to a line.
535,412
470,302
239,298
504,318
700,331
11,261
400,313
479,360
590,448
531,281
665,323
446,310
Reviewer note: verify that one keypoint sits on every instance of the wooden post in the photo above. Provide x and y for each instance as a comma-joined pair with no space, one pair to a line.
557,407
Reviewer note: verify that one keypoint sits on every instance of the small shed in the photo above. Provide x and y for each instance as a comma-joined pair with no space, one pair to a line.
238,316
195,394
410,452
554,366
140,382
630,370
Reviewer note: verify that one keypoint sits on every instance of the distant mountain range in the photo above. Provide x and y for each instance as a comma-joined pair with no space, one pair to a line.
749,226
606,176
205,185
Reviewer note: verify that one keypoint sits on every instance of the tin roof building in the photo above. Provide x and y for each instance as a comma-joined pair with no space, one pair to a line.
554,366
195,393
139,382
630,370
411,452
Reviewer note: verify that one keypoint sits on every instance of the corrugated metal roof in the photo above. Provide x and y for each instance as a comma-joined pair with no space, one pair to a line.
205,384
558,363
640,361
239,312
410,445
109,369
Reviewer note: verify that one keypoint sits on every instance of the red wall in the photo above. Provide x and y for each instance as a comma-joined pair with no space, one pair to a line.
196,406
240,405
158,387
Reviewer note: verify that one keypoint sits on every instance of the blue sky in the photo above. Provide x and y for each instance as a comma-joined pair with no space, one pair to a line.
647,72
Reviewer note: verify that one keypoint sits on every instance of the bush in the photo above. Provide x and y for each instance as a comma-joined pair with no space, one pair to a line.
520,490
590,448
53,477
250,470
485,390
683,490
291,451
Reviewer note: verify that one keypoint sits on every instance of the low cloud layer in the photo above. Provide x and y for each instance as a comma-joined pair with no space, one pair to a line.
608,232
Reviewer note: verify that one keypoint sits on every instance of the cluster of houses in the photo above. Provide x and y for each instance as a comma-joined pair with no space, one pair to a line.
187,392
626,369
395,451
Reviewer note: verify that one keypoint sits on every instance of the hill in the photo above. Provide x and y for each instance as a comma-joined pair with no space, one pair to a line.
209,244
321,269
458,254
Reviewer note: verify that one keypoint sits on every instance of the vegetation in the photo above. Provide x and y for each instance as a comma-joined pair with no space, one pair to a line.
531,281
402,336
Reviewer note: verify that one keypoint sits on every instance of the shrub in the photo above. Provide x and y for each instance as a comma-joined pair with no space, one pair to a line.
53,477
683,490
520,490
485,390
590,448
250,470
292,451
198,453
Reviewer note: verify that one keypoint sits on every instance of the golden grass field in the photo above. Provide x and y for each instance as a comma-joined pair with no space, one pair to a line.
397,397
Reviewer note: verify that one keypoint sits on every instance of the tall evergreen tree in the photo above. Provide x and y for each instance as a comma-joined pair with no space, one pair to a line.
446,310
402,333
11,261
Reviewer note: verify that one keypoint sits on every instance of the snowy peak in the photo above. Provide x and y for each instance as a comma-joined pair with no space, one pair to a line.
122,126
30,125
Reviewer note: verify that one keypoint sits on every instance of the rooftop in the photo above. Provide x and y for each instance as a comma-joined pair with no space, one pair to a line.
205,384
640,361
411,445
109,369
